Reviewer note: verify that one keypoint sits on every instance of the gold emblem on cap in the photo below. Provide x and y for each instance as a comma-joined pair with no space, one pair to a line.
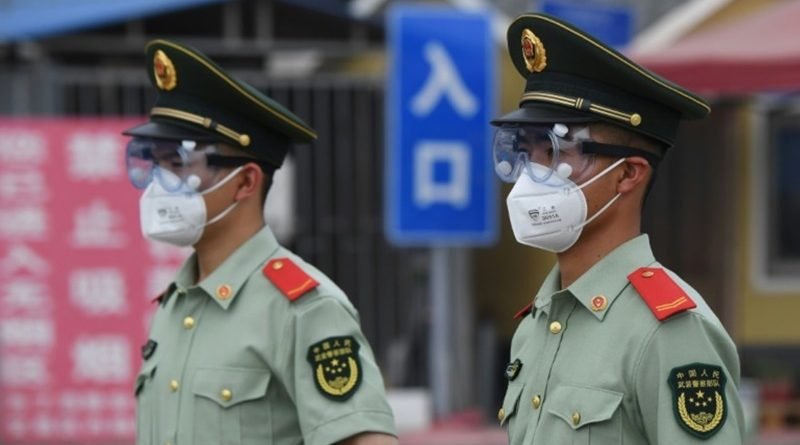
224,292
533,52
164,70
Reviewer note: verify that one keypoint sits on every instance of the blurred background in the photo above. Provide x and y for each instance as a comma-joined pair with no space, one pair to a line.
436,275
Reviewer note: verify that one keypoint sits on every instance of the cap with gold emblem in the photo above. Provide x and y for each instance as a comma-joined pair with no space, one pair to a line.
573,77
199,101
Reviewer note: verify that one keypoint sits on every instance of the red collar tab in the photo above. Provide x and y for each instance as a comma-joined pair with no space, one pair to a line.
163,296
524,311
289,278
664,297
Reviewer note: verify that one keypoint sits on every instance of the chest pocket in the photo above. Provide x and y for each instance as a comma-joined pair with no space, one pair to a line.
584,416
146,405
509,413
230,406
510,403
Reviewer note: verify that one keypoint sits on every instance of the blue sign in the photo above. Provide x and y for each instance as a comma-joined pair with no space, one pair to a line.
612,25
440,186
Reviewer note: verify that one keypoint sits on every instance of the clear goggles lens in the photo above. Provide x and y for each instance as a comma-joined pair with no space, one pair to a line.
176,165
556,150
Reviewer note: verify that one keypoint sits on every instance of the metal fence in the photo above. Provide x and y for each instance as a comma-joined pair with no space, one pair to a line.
338,188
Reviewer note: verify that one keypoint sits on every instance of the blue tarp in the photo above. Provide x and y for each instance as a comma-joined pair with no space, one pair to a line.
31,19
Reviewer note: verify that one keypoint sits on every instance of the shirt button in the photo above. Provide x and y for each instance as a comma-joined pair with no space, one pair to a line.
501,414
536,401
226,394
173,385
555,327
576,418
188,323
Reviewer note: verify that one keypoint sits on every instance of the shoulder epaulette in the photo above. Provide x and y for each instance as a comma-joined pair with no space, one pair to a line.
524,311
292,281
660,292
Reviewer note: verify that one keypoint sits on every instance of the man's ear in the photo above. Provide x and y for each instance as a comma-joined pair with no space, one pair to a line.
250,182
635,172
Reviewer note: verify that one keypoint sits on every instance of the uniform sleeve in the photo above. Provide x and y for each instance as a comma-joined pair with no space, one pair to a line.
338,388
687,382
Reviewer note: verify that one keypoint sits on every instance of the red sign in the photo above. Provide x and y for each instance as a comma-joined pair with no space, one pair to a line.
76,282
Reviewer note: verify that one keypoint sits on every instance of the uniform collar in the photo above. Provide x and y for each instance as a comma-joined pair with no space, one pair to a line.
599,286
224,284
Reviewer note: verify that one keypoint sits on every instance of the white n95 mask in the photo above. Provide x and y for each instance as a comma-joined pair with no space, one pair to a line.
550,215
177,218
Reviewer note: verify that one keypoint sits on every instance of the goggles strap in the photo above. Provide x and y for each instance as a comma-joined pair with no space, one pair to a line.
620,151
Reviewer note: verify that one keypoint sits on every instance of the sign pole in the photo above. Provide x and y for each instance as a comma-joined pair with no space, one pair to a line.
440,349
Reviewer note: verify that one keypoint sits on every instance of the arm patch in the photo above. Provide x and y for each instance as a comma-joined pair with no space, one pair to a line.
660,292
336,367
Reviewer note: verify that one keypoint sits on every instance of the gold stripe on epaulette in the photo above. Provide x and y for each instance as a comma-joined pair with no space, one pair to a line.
578,103
206,122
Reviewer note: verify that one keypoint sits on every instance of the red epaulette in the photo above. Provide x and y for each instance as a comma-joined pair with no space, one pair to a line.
524,311
661,293
288,278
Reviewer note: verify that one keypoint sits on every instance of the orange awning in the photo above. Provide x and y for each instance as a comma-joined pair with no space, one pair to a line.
759,52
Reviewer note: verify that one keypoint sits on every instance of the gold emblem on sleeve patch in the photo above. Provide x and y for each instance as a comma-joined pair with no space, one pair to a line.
699,398
336,367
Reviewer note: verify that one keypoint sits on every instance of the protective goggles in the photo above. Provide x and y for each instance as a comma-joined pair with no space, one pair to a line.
176,165
566,152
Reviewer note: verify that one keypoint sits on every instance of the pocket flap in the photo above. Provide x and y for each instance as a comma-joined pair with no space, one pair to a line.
230,386
148,371
511,401
579,406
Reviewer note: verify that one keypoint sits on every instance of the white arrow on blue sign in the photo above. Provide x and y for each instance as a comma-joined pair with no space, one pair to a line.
440,188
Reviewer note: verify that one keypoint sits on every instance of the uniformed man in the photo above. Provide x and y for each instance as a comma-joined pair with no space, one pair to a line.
615,348
250,344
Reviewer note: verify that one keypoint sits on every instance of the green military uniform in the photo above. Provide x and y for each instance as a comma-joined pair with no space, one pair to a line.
233,360
265,349
628,353
591,364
